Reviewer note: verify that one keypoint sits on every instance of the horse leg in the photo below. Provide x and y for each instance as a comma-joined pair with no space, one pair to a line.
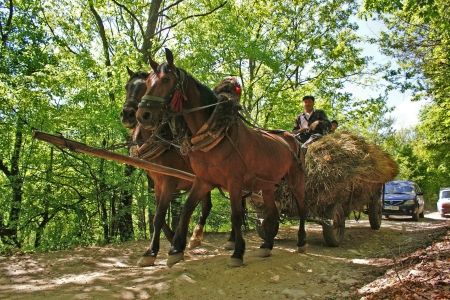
301,234
230,244
168,232
197,235
296,180
198,191
270,223
237,213
165,196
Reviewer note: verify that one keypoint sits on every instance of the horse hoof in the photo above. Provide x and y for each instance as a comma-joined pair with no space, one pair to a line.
263,252
174,258
301,249
194,243
229,245
146,261
235,262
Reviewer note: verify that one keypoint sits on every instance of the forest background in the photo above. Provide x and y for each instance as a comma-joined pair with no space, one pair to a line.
63,70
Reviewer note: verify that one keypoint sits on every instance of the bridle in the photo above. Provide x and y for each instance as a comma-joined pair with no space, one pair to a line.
149,101
132,101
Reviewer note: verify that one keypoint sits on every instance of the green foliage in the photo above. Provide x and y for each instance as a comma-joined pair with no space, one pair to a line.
56,76
418,36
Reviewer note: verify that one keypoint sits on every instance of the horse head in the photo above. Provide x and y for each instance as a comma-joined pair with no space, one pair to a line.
164,91
135,90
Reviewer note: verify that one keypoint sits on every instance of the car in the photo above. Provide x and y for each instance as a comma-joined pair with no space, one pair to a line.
403,197
443,204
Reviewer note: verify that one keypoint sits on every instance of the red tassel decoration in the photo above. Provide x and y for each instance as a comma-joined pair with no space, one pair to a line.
238,90
177,101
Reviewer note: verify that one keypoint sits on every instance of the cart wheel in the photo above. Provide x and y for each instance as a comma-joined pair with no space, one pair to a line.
415,215
375,214
259,222
334,233
259,228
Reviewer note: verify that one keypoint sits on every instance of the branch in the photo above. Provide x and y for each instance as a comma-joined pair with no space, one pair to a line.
57,38
8,23
102,32
170,6
132,15
4,168
191,16
64,152
403,284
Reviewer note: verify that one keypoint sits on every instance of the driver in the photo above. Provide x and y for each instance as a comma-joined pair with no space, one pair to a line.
311,124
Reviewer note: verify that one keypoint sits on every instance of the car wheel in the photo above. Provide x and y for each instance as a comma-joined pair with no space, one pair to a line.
415,215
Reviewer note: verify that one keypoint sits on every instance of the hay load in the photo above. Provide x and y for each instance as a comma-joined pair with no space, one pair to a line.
344,168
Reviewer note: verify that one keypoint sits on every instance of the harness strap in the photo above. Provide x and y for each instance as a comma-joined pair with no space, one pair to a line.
188,111
283,141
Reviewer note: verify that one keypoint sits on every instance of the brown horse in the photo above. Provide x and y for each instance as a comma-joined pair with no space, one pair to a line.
243,158
161,153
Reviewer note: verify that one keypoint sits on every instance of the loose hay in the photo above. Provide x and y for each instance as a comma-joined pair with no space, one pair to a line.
344,168
340,168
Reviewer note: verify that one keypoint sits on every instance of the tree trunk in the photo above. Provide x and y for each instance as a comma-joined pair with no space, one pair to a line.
150,30
16,181
113,228
151,198
45,214
101,200
125,217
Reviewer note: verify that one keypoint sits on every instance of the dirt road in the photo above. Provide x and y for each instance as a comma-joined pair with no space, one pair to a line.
346,272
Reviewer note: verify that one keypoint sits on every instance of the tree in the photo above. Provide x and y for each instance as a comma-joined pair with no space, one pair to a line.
418,37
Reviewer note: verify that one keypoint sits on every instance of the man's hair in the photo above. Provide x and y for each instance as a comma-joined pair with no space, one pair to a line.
309,97
334,121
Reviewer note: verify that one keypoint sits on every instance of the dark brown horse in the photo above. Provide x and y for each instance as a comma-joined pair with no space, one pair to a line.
243,159
159,152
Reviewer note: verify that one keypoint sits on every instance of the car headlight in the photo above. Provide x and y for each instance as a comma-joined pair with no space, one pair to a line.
410,202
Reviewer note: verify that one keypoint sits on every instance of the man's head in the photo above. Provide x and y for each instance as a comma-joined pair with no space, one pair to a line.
334,125
308,103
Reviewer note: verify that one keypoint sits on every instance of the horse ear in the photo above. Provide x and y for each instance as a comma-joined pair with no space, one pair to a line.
130,72
169,57
154,65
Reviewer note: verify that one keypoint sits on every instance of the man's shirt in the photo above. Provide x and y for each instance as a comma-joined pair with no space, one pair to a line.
304,120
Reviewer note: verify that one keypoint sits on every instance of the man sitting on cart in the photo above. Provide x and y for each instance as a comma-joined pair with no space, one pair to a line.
311,124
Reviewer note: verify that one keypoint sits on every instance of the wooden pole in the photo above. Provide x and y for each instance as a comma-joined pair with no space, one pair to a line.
62,142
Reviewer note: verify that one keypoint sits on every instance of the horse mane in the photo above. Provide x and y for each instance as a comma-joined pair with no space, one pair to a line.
206,93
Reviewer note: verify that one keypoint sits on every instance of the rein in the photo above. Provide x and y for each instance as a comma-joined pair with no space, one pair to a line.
150,101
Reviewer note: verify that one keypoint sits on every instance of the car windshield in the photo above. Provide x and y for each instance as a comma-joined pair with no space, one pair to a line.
445,194
399,188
